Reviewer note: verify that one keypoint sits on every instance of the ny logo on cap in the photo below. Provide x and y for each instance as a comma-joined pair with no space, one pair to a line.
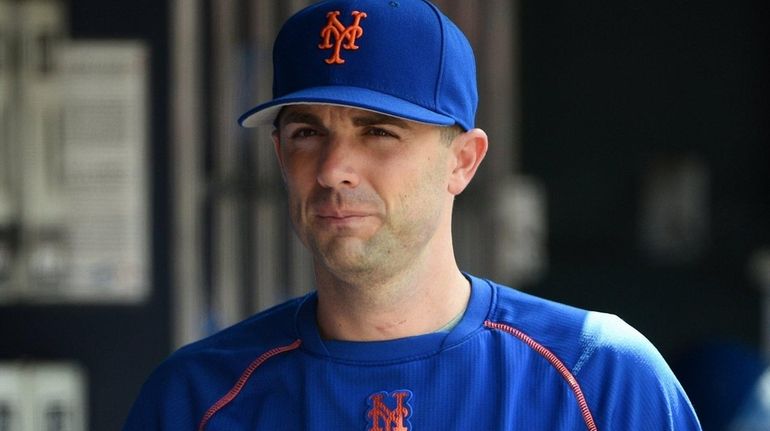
344,37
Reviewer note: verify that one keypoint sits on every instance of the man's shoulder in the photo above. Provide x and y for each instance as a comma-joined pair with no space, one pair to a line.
573,334
616,368
536,316
262,331
193,378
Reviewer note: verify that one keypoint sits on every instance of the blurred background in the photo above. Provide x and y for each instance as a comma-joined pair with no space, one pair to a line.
629,172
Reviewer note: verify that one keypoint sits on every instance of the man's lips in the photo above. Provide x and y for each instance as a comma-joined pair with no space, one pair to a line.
340,216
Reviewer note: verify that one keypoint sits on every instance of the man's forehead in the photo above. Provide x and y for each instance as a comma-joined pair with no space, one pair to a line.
317,114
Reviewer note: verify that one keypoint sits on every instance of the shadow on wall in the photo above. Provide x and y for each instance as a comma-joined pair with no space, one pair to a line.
729,386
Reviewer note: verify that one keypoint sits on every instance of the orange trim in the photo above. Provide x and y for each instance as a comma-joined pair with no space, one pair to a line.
556,363
236,389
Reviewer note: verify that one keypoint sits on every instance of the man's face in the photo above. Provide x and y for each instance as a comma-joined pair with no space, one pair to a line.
367,192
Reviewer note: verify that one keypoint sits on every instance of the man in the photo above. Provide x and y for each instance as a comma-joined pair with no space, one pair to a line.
373,109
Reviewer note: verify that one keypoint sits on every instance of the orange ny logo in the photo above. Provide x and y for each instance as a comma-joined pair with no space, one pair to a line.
337,36
384,418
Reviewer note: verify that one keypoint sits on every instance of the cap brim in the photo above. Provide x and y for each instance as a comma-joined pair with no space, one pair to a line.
353,97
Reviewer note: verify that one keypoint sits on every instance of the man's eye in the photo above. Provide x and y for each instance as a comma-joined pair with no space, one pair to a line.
304,133
376,131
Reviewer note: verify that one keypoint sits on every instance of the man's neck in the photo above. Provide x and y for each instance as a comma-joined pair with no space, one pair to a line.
405,305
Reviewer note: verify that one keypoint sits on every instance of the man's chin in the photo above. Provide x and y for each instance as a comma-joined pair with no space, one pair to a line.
347,258
347,262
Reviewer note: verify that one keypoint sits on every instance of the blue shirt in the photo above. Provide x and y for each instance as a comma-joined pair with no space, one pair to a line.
513,362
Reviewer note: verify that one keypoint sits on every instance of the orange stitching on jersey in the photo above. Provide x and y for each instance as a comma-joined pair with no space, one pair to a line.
556,363
236,389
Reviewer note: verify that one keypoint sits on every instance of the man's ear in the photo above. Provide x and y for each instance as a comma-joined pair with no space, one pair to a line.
468,151
278,154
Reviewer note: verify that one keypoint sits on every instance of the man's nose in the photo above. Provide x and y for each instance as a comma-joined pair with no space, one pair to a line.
336,167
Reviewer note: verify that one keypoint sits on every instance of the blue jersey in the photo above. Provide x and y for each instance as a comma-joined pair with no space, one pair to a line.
514,362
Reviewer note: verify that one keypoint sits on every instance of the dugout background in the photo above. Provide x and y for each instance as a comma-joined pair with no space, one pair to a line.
584,98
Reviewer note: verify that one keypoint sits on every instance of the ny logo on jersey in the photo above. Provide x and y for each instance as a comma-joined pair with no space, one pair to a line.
336,36
389,411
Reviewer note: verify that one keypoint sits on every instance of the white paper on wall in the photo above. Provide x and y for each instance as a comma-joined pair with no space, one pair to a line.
42,396
103,116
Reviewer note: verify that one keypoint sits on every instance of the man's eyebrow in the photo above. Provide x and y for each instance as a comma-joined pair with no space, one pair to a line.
299,117
374,119
362,120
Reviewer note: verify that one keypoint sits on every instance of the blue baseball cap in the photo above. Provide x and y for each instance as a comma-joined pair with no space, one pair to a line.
402,58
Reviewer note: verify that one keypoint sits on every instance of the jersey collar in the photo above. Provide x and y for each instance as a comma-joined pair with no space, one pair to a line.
401,349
